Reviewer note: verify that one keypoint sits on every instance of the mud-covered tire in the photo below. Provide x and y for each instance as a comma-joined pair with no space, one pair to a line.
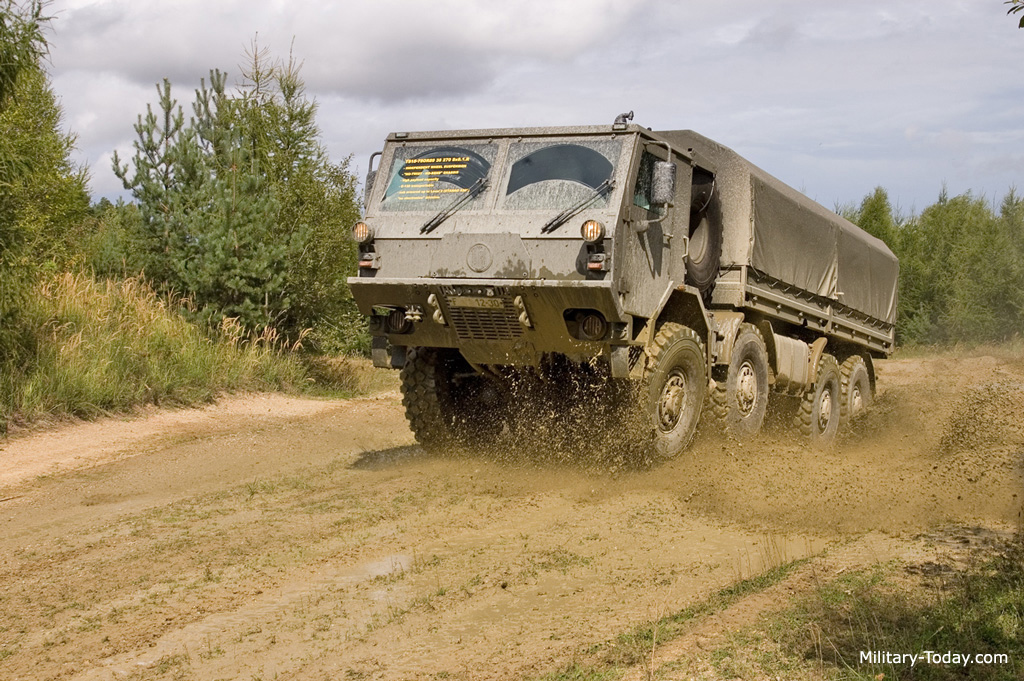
819,415
673,390
704,253
424,394
740,400
857,395
449,407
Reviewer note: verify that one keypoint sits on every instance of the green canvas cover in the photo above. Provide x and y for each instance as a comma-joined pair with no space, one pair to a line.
781,233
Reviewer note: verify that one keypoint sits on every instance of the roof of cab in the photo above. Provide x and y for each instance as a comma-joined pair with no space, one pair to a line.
554,131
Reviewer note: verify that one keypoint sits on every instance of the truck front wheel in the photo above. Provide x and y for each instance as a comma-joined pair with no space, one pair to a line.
674,386
447,404
426,399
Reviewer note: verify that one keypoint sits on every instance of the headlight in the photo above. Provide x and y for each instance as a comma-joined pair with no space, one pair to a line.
592,231
397,322
592,326
362,233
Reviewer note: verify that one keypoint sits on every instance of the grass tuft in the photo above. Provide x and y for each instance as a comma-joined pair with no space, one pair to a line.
634,647
980,611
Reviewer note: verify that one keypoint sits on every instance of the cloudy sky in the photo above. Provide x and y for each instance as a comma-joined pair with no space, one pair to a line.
833,98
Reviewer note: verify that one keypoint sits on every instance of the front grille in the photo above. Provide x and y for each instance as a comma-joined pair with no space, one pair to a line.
486,324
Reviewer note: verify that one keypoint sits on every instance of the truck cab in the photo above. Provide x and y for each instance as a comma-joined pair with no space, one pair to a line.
511,244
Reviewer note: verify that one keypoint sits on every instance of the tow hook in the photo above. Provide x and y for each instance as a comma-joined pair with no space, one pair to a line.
437,316
414,314
524,317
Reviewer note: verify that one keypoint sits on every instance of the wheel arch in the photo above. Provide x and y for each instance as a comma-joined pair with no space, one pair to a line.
685,306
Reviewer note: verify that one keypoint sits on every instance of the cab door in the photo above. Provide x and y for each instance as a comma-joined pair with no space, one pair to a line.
652,259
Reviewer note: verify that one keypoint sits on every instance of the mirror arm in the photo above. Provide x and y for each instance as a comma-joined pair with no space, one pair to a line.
640,226
660,143
371,175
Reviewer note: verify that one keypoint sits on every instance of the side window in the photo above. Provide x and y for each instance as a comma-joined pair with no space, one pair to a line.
644,181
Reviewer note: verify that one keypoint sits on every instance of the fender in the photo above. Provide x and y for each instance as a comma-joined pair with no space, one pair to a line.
727,327
817,350
684,305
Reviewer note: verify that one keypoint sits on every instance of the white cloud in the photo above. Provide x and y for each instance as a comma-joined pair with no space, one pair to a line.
387,49
838,97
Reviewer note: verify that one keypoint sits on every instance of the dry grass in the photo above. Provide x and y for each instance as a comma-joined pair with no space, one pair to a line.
100,347
1011,350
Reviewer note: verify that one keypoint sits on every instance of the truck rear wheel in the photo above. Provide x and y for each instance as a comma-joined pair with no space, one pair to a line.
856,388
819,413
674,385
741,400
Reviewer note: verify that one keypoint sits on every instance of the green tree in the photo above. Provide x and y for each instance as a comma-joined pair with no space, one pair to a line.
1016,6
961,277
961,266
110,245
47,202
875,217
242,210
21,46
165,174
318,201
976,305
1011,222
42,193
21,43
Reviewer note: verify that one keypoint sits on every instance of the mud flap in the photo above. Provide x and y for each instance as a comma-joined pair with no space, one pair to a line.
385,355
620,361
379,352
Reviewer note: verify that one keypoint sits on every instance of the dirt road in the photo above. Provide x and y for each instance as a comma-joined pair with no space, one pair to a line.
278,538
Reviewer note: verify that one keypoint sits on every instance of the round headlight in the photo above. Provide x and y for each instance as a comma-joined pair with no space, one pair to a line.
593,326
397,322
592,231
362,233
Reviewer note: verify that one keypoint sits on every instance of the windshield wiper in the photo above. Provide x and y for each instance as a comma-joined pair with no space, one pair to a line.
560,219
444,214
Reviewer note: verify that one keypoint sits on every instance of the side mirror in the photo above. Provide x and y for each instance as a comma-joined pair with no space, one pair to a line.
663,189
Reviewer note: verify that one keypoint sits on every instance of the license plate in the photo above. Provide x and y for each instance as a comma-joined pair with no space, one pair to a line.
477,303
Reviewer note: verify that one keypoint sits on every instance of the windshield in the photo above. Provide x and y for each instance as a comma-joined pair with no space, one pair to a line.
546,175
432,178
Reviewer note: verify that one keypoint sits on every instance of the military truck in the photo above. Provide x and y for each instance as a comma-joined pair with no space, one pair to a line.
662,261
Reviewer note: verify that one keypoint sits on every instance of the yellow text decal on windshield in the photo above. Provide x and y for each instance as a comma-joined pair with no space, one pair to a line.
422,178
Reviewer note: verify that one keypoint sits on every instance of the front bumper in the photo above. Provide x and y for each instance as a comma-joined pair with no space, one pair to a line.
494,321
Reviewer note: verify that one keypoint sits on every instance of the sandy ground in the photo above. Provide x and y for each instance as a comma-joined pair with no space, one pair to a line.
269,537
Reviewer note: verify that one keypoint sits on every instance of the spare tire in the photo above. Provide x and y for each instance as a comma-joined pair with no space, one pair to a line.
704,254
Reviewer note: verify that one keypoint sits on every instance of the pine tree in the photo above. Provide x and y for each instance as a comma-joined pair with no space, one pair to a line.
166,171
242,210
875,216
